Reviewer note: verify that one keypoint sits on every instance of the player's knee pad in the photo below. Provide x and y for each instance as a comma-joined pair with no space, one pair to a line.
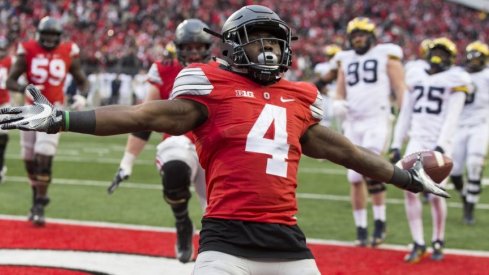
42,169
375,187
458,182
30,167
475,164
474,187
176,182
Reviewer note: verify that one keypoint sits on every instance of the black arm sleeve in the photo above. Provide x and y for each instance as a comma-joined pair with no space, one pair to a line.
80,122
144,135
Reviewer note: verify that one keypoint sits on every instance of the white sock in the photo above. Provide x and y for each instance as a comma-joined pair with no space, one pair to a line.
360,217
379,212
127,162
414,212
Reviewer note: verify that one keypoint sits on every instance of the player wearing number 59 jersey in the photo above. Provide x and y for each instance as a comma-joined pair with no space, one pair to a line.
45,61
367,74
429,116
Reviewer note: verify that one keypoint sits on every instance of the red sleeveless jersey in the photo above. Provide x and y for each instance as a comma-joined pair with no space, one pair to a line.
48,69
249,146
5,64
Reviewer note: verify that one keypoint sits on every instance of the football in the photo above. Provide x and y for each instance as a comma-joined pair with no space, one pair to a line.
437,165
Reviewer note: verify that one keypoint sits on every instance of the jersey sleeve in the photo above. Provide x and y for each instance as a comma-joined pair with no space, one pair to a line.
455,107
317,107
154,76
75,50
191,81
393,51
460,81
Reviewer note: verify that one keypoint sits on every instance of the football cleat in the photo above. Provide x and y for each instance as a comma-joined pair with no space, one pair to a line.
437,246
362,236
417,253
379,233
36,214
184,248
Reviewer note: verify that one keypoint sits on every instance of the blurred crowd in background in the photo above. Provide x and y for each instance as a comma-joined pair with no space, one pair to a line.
123,37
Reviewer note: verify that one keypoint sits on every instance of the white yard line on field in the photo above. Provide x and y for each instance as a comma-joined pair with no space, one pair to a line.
135,185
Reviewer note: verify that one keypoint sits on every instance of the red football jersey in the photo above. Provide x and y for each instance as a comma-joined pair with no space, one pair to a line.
249,146
163,75
5,64
48,69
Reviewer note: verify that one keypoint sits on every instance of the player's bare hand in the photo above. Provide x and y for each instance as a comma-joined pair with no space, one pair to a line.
41,116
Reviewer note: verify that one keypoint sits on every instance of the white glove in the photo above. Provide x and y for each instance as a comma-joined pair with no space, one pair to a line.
28,95
340,109
79,102
41,116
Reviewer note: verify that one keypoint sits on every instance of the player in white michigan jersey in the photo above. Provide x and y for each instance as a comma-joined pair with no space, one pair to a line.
472,137
430,113
367,74
327,90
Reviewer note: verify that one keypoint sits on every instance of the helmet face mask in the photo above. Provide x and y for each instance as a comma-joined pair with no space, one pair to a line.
192,43
476,56
441,54
256,42
361,34
49,33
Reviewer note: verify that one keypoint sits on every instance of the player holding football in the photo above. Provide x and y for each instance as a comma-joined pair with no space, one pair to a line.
472,137
46,61
5,65
366,76
251,128
176,158
430,113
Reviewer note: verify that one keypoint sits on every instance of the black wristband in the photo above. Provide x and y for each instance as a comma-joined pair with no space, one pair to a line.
80,122
400,178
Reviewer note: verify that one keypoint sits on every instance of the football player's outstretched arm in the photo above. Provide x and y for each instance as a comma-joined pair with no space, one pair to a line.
324,143
174,117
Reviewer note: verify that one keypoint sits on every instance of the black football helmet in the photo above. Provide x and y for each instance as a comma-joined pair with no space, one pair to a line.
192,31
235,36
49,33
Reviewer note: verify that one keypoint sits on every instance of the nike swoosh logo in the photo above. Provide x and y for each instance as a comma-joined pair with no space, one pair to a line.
286,99
44,114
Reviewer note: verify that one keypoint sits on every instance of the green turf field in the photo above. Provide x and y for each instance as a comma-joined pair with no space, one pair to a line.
85,165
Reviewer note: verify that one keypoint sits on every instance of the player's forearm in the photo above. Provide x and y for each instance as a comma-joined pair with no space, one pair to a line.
14,86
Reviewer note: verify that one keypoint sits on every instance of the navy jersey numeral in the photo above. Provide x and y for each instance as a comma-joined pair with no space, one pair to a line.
369,68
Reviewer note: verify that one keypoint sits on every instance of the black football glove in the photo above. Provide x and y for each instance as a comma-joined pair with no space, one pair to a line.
120,176
421,182
439,149
42,116
394,155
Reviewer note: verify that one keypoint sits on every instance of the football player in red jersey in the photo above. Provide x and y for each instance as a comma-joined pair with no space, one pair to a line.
5,64
46,61
251,128
176,159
